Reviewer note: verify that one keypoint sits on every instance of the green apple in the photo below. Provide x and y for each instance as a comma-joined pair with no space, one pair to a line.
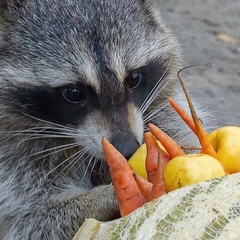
226,142
190,169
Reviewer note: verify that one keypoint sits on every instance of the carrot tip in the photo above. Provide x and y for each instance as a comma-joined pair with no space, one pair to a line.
172,148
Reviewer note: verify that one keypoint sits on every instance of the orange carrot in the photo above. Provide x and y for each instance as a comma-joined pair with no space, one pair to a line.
181,112
159,187
154,152
131,190
126,189
156,160
144,186
200,131
169,144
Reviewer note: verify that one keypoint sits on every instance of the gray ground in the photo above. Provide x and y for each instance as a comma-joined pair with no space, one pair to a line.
198,24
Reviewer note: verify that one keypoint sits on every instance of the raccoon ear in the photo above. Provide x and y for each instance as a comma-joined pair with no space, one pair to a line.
6,8
152,11
6,4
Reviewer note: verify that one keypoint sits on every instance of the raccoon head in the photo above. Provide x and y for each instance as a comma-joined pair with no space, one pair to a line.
84,69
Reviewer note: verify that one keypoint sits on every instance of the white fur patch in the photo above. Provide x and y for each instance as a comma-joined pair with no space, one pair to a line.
135,121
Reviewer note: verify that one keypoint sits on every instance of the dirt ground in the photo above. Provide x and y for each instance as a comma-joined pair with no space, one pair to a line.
209,31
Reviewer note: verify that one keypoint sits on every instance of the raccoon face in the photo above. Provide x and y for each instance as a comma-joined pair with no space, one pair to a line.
110,107
86,70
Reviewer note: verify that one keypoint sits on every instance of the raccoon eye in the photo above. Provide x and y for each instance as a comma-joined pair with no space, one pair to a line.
73,94
134,79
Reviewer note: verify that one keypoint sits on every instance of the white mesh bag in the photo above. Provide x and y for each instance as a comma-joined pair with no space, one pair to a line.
208,210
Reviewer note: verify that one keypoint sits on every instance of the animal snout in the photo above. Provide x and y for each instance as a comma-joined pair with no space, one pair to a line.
126,146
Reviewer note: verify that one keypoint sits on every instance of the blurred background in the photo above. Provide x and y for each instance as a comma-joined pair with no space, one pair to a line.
209,32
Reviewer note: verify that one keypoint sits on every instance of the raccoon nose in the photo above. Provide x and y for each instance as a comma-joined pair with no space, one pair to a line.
126,147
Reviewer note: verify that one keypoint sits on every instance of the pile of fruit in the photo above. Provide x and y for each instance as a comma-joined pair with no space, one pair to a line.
160,165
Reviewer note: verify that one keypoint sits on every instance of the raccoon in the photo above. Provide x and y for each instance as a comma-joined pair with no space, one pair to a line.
71,73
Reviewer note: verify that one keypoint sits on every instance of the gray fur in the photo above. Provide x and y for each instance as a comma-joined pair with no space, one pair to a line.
46,184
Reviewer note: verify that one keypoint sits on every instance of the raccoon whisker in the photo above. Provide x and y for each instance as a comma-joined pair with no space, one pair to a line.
44,136
96,159
54,150
27,137
51,129
70,165
44,132
152,114
154,92
92,156
32,137
48,122
76,159
76,155
87,167
101,170
152,97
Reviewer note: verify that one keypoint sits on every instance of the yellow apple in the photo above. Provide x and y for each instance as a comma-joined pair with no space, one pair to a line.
190,169
138,160
226,142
